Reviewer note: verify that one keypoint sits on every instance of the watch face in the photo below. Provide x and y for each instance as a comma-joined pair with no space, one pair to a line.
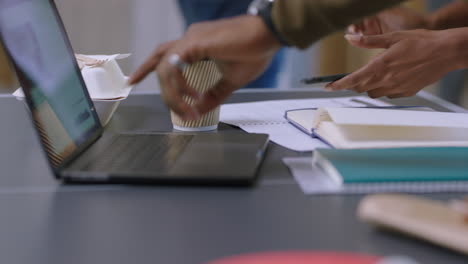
257,5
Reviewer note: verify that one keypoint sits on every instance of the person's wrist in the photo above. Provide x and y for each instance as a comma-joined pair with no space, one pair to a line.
266,36
263,9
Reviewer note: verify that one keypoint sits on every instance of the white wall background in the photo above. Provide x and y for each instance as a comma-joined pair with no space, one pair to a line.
121,26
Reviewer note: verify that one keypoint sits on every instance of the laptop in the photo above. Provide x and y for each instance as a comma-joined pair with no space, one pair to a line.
77,147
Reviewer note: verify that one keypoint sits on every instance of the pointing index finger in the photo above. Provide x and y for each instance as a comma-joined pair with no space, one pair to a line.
150,64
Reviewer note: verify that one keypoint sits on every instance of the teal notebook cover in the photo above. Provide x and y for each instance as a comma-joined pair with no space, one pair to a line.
396,164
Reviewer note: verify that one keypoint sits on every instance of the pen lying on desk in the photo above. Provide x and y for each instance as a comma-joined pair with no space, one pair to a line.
324,79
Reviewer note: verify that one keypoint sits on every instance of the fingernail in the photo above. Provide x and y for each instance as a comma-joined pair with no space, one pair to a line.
353,37
352,29
329,88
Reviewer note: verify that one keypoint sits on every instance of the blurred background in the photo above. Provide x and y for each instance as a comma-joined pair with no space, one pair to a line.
138,26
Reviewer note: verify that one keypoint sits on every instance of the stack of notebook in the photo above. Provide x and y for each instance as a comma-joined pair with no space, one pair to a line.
389,150
430,169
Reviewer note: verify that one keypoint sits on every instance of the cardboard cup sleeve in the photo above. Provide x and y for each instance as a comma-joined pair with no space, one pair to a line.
202,76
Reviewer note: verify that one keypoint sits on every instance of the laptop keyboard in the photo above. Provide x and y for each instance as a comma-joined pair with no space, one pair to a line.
130,153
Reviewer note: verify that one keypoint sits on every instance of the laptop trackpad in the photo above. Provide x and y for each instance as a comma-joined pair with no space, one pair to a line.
226,155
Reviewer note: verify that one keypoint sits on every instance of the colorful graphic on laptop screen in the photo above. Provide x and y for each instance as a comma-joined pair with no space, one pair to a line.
60,106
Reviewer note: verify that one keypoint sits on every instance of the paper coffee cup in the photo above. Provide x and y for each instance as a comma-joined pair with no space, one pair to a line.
201,76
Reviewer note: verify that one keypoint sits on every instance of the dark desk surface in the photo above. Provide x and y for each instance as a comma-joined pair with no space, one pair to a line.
45,222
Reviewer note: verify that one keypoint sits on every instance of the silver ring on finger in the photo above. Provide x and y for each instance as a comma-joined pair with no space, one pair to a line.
175,60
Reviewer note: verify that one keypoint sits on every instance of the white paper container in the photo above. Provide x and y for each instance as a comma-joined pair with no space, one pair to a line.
106,81
106,84
105,109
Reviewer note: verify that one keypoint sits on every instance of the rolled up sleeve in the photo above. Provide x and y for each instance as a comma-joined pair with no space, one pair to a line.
302,22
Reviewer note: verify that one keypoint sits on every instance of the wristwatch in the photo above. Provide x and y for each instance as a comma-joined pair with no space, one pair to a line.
262,8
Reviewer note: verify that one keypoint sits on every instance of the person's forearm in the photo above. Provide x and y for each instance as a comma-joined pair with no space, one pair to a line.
302,22
458,41
451,16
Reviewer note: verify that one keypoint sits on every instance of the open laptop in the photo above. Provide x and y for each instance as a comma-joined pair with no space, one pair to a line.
70,133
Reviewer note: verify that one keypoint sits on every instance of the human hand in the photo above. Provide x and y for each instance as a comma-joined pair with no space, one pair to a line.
395,19
412,60
242,47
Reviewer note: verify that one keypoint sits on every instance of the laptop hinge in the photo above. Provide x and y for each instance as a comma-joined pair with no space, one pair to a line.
85,176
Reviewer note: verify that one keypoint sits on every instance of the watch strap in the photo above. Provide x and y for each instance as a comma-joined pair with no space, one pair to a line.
265,14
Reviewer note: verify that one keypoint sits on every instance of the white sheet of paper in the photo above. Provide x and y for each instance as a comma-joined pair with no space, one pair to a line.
311,179
268,117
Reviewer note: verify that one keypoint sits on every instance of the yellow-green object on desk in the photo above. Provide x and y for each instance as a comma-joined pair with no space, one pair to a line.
429,220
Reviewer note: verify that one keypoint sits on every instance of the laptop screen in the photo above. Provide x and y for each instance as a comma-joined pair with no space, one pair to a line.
62,111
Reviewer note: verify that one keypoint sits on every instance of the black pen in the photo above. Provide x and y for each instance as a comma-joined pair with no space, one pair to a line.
324,79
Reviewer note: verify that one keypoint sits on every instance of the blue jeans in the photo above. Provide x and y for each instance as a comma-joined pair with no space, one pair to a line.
203,10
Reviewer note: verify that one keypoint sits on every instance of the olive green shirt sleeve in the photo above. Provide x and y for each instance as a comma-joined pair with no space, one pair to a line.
6,74
302,22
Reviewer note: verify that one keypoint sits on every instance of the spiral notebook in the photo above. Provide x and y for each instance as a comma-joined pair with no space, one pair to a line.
411,170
